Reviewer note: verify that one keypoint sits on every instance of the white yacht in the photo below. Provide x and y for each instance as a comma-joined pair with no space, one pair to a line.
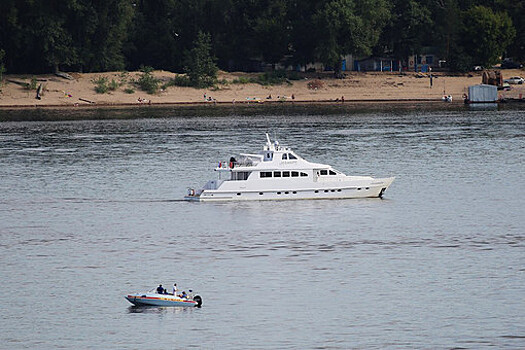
278,173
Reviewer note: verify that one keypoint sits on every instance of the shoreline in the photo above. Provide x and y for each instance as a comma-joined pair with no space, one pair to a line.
224,103
355,89
226,110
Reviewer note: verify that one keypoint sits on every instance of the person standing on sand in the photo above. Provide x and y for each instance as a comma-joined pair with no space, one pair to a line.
430,80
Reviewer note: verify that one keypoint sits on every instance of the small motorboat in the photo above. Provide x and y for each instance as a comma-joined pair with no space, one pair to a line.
152,298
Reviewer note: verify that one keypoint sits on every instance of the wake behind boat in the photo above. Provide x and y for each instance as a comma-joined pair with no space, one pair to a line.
278,173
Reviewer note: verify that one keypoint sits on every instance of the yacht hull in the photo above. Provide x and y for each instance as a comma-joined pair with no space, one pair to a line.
336,190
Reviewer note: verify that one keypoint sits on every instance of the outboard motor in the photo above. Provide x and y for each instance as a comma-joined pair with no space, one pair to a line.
198,299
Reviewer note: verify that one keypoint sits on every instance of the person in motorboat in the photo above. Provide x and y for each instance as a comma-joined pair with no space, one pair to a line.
160,289
175,289
184,295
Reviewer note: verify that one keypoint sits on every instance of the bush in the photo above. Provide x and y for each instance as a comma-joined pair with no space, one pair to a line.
293,75
277,77
147,82
129,90
124,76
33,83
244,80
113,85
315,85
101,85
179,80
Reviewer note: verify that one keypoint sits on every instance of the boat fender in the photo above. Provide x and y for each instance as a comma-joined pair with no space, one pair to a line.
198,299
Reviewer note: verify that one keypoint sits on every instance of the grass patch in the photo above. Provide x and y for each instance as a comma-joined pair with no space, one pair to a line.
101,85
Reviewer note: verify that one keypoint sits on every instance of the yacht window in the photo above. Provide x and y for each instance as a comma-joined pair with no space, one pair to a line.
285,157
276,174
265,174
324,172
304,174
240,175
332,172
286,174
295,174
291,156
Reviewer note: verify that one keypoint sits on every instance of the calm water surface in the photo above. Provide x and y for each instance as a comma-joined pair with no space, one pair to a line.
91,210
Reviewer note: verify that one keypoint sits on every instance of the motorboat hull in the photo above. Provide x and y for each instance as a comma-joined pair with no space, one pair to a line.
335,190
160,300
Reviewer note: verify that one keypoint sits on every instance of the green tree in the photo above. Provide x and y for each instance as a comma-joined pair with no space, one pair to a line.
2,66
486,34
156,35
100,32
409,28
516,11
272,31
200,63
348,27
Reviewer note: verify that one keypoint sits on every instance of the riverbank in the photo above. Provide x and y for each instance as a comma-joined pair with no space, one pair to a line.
356,87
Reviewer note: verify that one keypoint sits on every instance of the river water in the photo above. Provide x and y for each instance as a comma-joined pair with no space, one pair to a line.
91,210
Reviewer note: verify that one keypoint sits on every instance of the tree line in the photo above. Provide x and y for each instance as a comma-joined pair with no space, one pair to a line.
38,36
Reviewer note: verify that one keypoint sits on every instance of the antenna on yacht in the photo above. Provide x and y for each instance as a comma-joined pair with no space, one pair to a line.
270,146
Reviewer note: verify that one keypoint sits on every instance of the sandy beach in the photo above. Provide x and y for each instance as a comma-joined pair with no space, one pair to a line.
355,87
